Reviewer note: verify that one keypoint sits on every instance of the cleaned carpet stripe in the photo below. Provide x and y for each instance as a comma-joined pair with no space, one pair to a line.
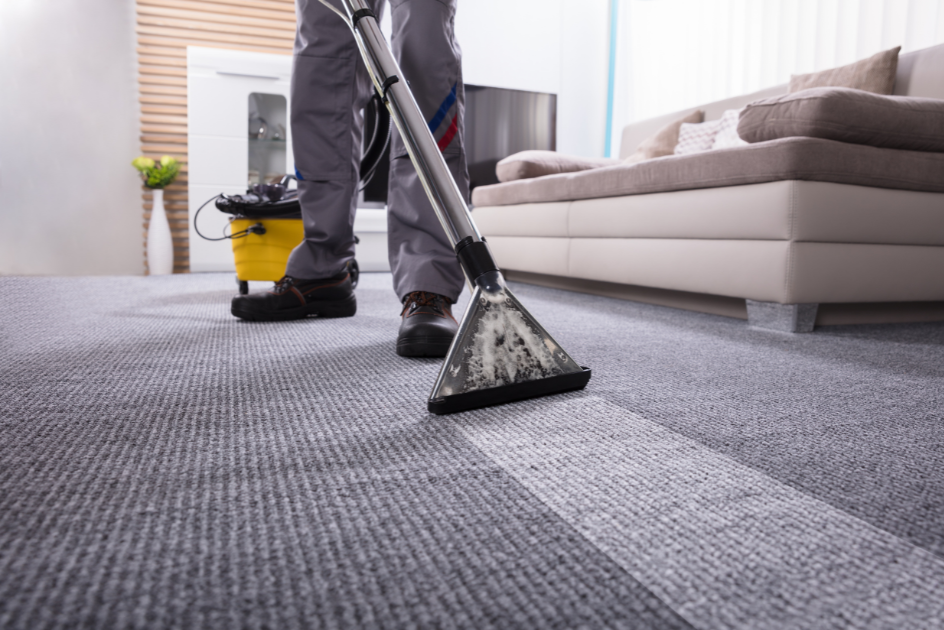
851,415
723,544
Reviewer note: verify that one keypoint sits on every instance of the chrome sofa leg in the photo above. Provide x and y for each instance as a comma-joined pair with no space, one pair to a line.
793,318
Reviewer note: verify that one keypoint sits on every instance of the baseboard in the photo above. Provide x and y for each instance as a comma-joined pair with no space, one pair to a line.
827,315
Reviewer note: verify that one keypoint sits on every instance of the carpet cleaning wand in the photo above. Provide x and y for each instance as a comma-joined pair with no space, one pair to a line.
500,353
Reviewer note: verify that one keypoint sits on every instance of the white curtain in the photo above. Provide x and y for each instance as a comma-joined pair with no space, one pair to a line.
673,54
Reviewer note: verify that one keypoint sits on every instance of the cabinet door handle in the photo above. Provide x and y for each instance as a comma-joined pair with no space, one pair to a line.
251,76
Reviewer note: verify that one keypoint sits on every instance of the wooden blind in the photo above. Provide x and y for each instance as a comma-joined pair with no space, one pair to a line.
164,29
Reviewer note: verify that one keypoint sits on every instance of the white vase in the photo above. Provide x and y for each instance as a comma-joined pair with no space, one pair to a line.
160,245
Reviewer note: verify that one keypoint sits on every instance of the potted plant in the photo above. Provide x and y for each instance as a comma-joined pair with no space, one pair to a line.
160,245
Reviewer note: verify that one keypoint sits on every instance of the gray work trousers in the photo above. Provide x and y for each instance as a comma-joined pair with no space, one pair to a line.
330,86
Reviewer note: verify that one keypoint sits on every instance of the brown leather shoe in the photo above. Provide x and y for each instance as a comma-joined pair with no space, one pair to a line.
427,327
294,298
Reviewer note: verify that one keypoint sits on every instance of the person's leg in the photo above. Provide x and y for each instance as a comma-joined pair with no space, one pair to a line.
330,86
424,43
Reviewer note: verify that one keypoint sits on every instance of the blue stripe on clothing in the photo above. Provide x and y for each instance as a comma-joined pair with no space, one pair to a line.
443,110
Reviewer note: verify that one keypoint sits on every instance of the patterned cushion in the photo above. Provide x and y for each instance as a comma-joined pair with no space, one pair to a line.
728,132
695,138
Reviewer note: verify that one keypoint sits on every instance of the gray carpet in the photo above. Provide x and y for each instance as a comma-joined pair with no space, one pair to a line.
163,465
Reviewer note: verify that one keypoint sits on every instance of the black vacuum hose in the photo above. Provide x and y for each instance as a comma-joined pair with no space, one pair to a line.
379,129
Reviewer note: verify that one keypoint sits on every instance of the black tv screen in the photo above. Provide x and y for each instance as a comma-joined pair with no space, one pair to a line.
498,123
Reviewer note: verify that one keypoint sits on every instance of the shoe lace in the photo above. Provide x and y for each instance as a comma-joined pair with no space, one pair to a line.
284,284
418,299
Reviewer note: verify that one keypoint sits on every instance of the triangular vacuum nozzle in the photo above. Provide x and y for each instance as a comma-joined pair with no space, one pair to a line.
501,354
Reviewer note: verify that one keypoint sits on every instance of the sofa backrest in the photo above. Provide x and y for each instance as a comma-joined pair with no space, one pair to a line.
920,73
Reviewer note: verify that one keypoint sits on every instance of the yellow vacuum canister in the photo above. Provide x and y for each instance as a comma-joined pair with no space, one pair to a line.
264,256
265,227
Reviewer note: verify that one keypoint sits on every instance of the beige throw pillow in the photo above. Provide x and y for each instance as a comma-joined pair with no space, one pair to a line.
663,142
875,74
529,164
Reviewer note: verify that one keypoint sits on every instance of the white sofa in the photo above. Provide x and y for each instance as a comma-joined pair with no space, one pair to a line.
786,252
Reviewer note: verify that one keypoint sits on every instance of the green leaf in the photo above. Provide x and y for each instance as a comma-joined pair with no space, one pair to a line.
157,175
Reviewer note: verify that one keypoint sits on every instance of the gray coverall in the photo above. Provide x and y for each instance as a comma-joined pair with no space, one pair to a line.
330,86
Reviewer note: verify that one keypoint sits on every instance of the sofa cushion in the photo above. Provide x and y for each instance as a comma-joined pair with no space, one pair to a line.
664,141
768,271
528,164
795,210
875,74
845,115
788,158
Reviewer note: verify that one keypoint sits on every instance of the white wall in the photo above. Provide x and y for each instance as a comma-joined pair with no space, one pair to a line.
70,201
584,51
511,43
675,54
556,46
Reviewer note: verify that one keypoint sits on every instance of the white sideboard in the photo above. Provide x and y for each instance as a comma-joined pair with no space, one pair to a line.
219,83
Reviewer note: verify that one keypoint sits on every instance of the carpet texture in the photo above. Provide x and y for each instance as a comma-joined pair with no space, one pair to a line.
163,465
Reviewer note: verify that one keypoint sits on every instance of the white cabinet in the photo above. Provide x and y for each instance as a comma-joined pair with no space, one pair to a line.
224,89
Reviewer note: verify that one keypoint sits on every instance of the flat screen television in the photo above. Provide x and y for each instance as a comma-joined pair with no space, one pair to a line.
498,123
